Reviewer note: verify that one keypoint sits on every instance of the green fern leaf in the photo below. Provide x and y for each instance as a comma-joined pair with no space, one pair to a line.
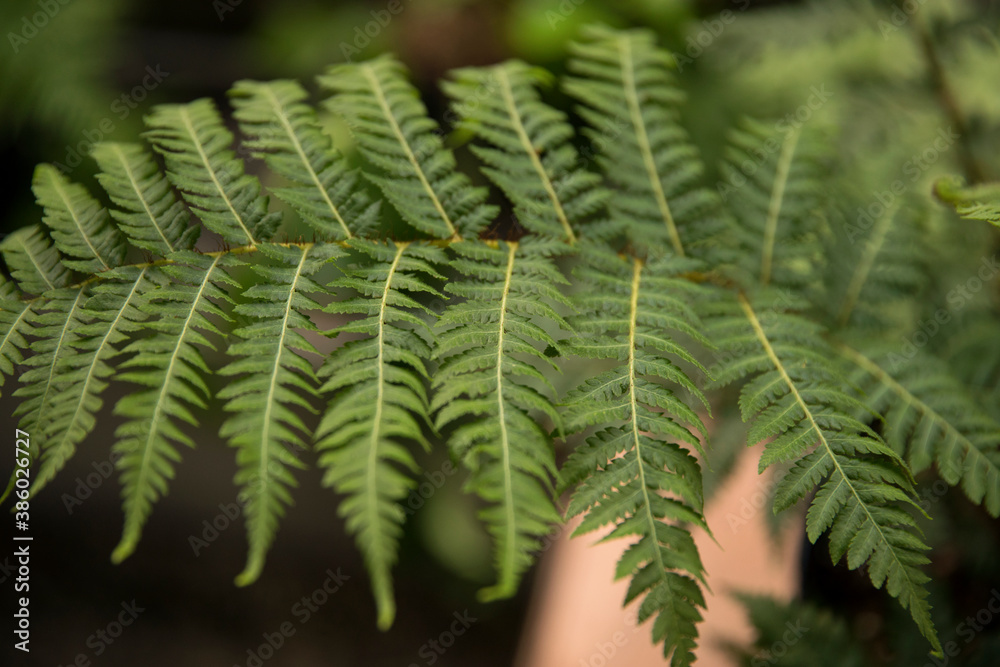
630,101
931,418
483,345
153,218
872,270
775,180
623,471
285,132
797,402
377,399
395,134
170,368
530,155
975,202
33,261
196,148
55,322
15,315
106,319
263,427
80,226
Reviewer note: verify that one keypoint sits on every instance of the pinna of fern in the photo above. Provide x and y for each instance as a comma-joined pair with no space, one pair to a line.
633,473
630,100
489,356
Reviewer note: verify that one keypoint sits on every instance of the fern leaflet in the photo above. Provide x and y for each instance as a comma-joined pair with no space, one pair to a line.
153,218
530,155
33,261
395,134
377,398
633,474
630,101
798,405
80,226
196,148
274,375
285,132
931,418
170,368
482,346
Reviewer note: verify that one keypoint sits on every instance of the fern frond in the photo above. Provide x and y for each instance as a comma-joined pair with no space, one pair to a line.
263,427
878,267
775,179
377,399
106,319
797,403
633,474
15,315
629,99
80,226
974,202
55,321
488,350
931,418
152,217
200,163
283,130
530,155
394,133
169,367
34,263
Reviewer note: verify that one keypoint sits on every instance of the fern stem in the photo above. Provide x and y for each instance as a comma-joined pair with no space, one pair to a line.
632,96
186,118
279,113
138,192
387,607
387,112
522,134
867,262
637,265
777,199
507,568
